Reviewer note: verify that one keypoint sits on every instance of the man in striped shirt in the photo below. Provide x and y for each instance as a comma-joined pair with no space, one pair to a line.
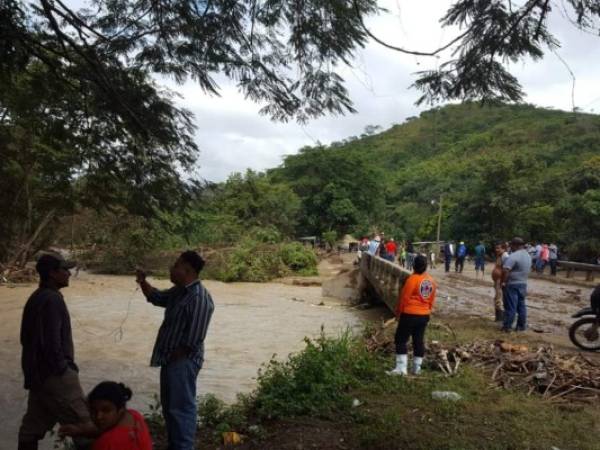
179,348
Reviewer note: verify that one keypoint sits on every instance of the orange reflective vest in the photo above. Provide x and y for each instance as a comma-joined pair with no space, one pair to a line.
417,296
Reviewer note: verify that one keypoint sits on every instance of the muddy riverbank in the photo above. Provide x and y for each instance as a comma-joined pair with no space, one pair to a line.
114,331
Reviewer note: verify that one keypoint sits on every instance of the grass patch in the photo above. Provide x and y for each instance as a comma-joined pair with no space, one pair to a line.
308,400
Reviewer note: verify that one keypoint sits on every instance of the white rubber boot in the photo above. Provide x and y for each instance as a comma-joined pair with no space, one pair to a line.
417,362
401,366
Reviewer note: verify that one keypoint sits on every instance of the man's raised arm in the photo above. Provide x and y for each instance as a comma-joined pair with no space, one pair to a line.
153,295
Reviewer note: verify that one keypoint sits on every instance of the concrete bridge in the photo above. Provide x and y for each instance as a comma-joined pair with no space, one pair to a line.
384,278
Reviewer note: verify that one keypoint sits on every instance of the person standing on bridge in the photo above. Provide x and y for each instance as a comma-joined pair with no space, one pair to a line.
410,255
374,245
391,249
515,273
179,348
544,257
553,255
382,251
413,310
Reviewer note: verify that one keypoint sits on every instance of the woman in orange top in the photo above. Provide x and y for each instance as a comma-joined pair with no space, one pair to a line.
413,310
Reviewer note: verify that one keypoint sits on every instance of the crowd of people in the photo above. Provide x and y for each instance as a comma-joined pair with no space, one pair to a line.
101,421
512,263
511,270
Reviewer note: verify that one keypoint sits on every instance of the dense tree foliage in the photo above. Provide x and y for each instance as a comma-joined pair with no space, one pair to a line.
500,171
339,191
80,112
281,53
55,157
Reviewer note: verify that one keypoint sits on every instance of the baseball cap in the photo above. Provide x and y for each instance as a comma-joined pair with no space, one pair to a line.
52,261
517,241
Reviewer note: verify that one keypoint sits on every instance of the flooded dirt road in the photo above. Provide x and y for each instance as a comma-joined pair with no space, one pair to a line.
114,331
550,305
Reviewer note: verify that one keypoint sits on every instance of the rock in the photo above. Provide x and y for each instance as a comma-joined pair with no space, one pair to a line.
446,395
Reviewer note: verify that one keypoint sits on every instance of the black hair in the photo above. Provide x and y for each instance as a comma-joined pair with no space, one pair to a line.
193,259
420,264
116,393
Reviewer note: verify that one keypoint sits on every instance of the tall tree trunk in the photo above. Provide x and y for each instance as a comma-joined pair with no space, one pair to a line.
20,257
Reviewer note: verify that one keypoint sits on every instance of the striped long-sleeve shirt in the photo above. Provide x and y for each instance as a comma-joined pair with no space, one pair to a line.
188,311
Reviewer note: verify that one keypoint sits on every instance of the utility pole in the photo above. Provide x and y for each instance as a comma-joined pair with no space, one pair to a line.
439,225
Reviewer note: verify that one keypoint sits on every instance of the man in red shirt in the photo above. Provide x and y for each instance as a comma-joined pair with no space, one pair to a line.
391,248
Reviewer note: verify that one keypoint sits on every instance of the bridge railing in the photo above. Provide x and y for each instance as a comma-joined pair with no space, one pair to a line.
589,269
385,277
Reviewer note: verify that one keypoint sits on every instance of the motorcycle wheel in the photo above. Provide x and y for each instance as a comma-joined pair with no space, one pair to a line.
583,336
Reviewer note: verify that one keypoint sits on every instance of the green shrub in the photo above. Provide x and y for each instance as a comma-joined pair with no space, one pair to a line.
583,251
299,258
255,261
215,414
315,381
330,237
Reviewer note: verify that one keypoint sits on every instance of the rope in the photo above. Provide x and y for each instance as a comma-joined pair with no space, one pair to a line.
116,333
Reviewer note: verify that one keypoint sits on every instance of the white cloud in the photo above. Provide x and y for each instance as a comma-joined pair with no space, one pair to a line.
233,136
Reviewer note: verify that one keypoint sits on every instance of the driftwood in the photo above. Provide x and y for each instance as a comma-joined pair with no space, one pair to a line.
554,376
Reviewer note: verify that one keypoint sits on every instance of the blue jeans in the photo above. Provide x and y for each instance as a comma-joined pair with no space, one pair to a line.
178,401
514,297
539,265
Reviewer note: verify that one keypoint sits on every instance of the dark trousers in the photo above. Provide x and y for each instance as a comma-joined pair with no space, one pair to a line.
514,297
178,401
447,262
459,264
413,326
553,266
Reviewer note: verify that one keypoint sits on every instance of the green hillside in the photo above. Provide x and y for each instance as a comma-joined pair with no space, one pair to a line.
502,170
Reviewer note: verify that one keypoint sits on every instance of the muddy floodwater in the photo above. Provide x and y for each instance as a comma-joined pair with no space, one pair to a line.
114,330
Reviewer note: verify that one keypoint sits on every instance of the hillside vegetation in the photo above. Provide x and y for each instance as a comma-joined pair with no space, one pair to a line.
500,170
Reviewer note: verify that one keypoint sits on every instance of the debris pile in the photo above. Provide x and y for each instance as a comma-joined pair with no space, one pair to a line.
553,375
14,274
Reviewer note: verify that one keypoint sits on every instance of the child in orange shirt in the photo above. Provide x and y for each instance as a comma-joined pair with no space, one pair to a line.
413,310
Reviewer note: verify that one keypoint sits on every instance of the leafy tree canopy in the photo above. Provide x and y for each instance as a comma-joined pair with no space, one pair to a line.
501,171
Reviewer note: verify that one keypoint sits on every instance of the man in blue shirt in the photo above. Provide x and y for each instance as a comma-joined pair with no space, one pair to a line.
461,254
179,348
515,273
374,245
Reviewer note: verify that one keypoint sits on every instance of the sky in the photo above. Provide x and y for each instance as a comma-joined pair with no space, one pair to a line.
233,136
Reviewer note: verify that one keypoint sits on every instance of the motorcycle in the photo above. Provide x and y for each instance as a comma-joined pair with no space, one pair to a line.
584,332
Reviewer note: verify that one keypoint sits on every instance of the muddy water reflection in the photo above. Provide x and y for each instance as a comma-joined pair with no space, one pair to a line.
251,323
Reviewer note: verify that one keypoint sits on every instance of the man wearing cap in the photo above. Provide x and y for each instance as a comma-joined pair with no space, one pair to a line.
48,361
515,273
